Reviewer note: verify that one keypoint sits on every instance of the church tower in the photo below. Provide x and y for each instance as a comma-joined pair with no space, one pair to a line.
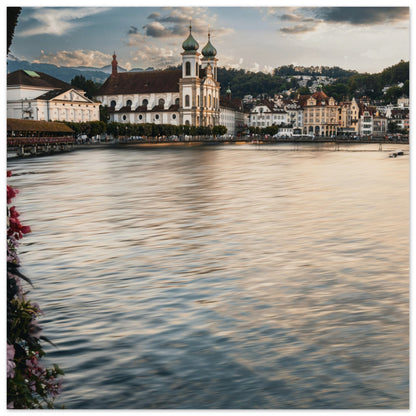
114,64
210,87
189,84
209,53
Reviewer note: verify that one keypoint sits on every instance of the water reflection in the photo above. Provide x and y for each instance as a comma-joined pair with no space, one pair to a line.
223,277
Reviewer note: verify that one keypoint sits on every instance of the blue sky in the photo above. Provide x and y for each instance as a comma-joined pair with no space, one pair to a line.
366,39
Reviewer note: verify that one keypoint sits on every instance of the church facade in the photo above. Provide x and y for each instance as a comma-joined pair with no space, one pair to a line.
186,96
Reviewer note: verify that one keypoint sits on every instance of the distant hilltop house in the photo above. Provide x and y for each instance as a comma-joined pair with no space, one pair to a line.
38,96
186,96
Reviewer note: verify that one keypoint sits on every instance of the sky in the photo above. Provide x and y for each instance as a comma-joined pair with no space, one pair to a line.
366,39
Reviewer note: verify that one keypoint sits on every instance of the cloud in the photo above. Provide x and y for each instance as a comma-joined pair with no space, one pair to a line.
175,23
298,29
149,55
75,58
157,30
60,21
308,19
363,15
133,30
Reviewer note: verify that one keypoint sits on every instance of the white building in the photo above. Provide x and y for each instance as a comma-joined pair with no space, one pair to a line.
266,114
38,96
231,114
188,96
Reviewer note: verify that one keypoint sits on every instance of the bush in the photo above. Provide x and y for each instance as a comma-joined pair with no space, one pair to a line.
29,385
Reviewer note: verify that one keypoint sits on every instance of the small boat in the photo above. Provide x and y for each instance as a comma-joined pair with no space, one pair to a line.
396,153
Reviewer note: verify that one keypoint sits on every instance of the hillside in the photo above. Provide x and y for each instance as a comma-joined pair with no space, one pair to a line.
242,82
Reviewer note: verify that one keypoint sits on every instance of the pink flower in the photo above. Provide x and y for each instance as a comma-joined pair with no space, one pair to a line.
11,193
9,173
11,365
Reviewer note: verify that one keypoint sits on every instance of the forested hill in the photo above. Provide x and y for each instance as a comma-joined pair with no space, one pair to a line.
243,82
347,83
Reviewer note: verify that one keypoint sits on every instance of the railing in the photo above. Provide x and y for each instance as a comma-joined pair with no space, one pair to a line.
263,139
23,141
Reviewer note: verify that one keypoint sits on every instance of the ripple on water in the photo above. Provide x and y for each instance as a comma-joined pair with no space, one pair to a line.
221,277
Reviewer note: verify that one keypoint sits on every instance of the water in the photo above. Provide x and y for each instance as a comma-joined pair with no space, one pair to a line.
222,277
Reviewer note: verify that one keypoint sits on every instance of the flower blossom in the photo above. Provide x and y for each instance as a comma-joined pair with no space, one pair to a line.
11,365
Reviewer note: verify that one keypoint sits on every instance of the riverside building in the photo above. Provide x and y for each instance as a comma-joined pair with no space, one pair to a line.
37,96
186,96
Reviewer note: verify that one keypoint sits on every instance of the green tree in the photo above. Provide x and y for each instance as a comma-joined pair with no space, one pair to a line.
303,91
392,94
90,87
12,18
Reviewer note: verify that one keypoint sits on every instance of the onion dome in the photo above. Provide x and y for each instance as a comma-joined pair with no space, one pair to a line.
190,44
209,51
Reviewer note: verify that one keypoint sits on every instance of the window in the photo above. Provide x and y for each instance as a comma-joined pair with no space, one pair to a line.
112,104
124,117
145,102
157,116
188,68
174,116
162,102
187,101
129,103
209,101
177,101
196,69
140,117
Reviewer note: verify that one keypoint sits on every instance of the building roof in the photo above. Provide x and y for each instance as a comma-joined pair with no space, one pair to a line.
37,79
190,44
209,51
37,126
232,103
319,96
145,82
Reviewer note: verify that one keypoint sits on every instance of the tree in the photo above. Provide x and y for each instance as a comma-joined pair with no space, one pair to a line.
303,91
392,94
219,130
90,87
12,17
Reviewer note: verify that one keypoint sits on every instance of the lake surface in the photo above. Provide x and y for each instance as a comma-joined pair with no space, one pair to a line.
222,277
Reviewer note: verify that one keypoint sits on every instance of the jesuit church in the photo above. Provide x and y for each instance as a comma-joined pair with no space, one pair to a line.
186,96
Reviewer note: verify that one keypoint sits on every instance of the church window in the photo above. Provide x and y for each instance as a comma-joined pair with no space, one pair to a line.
129,103
140,117
197,100
174,116
196,69
124,117
177,101
162,102
187,101
112,104
157,116
188,68
209,101
145,102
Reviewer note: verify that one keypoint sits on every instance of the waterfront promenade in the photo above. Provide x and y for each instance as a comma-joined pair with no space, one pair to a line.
39,146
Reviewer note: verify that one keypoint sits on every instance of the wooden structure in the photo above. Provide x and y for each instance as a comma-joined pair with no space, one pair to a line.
32,137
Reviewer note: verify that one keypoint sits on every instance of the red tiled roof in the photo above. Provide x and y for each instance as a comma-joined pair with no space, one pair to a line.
21,77
145,82
233,103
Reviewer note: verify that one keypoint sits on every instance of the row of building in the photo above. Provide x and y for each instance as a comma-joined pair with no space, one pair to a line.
191,96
